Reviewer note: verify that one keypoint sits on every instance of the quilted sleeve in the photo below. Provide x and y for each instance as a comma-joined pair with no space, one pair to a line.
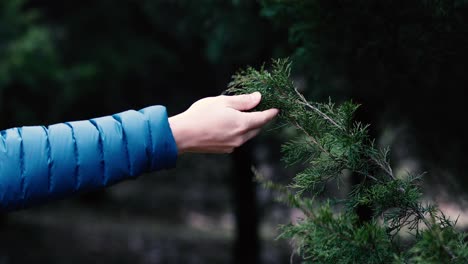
40,163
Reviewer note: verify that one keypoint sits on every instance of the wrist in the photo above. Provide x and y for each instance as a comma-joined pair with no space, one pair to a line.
180,133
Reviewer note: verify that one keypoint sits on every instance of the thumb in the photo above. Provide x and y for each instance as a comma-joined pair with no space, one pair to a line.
243,102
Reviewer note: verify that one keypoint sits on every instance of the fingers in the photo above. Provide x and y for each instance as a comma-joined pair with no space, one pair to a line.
259,119
243,102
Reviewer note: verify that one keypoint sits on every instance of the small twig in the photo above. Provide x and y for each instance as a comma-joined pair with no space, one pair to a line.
322,114
311,138
421,217
291,258
368,175
384,167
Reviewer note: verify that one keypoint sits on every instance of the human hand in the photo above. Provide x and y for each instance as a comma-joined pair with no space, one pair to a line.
218,125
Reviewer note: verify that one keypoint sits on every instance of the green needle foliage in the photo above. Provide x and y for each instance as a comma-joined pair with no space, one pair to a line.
330,144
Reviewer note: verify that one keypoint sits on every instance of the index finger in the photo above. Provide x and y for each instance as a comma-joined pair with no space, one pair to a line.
260,118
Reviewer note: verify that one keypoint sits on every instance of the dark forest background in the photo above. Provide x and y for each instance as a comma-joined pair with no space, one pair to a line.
406,62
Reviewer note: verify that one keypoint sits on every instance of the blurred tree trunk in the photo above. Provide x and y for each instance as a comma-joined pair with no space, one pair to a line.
246,244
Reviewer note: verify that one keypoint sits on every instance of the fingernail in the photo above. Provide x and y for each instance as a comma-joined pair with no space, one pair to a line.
256,95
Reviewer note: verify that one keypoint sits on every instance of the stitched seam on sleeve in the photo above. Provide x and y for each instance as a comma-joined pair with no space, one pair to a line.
149,148
102,162
3,140
22,168
49,161
76,173
124,138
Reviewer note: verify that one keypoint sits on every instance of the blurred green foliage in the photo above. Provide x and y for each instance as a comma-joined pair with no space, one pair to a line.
113,56
27,57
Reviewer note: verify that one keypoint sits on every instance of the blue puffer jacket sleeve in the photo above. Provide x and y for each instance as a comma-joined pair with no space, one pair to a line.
38,163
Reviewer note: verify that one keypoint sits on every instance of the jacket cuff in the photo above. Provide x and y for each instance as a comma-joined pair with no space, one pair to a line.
162,145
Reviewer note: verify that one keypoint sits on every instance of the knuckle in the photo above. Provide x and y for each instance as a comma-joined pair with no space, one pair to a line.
223,98
241,126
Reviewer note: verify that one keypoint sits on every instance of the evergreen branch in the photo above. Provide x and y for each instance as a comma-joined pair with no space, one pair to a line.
329,130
